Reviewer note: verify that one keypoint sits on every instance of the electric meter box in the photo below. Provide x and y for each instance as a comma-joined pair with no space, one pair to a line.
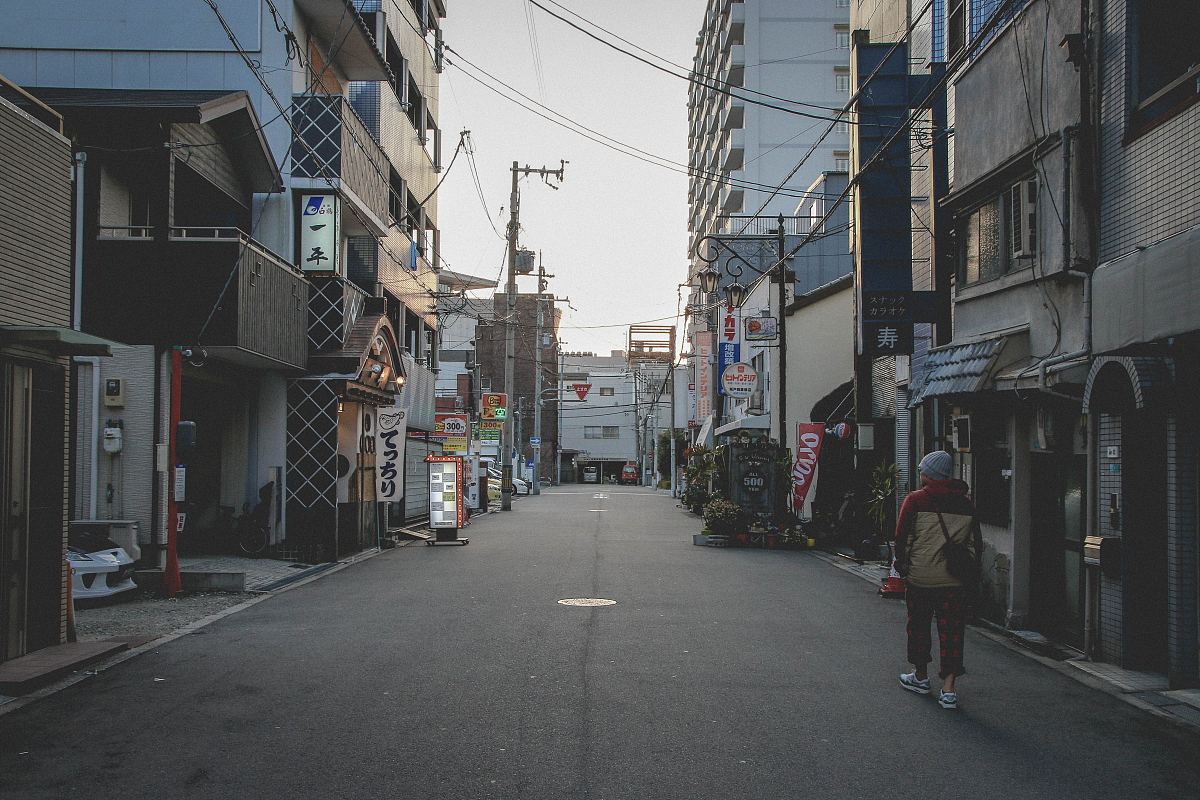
114,393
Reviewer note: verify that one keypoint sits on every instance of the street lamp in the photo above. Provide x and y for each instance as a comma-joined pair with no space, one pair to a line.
736,294
708,279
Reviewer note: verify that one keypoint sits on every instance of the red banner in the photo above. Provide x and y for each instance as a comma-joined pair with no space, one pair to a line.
809,436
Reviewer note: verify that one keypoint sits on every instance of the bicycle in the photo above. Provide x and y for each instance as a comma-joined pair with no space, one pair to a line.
253,527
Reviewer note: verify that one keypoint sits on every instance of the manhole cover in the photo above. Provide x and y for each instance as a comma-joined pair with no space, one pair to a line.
586,601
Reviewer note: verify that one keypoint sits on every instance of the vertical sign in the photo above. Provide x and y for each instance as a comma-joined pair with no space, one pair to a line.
389,453
445,492
320,233
704,345
471,481
809,436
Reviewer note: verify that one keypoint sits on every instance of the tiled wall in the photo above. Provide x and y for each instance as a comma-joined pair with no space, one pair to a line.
1150,187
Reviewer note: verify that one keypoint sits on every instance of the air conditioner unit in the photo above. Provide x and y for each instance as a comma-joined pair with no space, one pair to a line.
755,405
962,433
1022,223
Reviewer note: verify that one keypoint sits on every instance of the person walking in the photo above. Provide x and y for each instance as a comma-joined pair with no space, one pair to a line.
938,551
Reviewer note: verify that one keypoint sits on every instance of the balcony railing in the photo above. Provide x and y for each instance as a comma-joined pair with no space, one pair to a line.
764,225
334,144
209,286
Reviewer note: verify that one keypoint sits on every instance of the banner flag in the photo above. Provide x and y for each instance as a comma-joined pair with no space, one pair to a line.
809,436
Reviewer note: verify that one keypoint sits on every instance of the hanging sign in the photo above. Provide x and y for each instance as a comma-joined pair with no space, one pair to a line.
320,233
445,492
761,329
489,431
389,453
739,380
581,389
704,408
809,436
728,354
454,430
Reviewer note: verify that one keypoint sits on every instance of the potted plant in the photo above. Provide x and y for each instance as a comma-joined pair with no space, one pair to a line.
723,517
880,490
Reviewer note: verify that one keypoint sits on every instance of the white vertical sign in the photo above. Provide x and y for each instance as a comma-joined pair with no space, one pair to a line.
390,433
320,233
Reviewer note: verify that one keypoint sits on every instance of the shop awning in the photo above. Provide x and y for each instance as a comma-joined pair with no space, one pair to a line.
1148,295
760,422
959,368
56,340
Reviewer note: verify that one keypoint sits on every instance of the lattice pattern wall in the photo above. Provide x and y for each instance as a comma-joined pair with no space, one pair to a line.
334,306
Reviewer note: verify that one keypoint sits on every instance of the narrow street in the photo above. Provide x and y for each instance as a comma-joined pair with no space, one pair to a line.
454,672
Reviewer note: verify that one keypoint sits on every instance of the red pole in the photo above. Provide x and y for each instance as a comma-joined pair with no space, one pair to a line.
171,582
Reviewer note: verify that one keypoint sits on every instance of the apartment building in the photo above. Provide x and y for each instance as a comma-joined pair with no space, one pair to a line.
319,123
598,406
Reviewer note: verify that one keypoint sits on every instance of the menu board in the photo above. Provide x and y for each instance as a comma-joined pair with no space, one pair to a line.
445,492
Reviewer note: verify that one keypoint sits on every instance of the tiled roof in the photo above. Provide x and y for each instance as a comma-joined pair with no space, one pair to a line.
959,369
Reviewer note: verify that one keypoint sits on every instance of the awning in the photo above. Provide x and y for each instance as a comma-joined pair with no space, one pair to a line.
59,341
760,422
1025,376
959,368
1148,295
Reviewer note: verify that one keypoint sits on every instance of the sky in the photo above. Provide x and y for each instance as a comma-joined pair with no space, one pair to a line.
615,233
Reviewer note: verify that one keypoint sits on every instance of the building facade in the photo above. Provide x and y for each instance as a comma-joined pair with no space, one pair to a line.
598,406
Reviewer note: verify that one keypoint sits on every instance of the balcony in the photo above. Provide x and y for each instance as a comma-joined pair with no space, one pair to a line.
732,199
733,150
733,28
733,67
335,147
733,115
180,290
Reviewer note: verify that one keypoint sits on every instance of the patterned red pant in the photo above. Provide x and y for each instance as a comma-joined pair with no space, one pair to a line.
950,606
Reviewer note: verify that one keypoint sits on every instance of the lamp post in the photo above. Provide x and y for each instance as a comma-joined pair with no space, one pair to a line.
714,249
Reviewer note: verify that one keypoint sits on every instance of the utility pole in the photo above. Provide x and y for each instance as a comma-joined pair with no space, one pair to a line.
537,376
784,274
510,324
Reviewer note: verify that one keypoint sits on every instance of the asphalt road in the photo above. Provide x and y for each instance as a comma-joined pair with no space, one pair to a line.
453,672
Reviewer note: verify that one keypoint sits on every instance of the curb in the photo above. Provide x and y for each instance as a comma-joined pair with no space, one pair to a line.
191,627
1001,636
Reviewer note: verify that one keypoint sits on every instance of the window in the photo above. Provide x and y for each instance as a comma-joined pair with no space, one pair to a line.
841,160
1164,60
842,40
842,127
1000,235
841,3
956,27
841,82
612,432
607,391
593,432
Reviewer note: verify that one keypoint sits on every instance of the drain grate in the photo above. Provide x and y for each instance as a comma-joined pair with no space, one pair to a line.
586,601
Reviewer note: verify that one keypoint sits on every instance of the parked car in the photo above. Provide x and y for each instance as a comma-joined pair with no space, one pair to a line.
99,567
520,486
591,475
629,475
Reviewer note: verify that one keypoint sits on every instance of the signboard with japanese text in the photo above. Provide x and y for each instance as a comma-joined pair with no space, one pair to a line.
739,380
389,453
471,481
489,431
320,233
445,492
704,376
581,389
494,406
761,329
728,354
454,430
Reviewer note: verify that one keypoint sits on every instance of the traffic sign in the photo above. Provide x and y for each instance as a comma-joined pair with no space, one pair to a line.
535,440
581,389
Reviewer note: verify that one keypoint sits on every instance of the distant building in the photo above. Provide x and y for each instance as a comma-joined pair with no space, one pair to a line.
598,401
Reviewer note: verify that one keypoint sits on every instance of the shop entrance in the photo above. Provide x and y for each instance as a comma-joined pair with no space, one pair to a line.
1144,541
1058,520
31,519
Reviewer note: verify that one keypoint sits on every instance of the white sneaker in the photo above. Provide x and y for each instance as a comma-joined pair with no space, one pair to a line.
910,681
948,699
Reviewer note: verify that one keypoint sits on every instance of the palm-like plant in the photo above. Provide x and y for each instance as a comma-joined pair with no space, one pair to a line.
880,490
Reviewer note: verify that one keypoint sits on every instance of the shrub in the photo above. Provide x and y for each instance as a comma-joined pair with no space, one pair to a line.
723,517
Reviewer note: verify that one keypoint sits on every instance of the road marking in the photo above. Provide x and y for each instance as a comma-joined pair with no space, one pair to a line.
586,601
599,497
597,509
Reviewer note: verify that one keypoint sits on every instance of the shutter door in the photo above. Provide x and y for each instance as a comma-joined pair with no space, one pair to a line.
416,477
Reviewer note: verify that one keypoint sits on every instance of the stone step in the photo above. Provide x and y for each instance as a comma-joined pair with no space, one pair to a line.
23,675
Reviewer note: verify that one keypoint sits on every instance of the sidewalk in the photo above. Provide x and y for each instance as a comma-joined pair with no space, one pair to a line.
1146,691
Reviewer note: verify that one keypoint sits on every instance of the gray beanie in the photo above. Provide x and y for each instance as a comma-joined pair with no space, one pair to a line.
938,465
